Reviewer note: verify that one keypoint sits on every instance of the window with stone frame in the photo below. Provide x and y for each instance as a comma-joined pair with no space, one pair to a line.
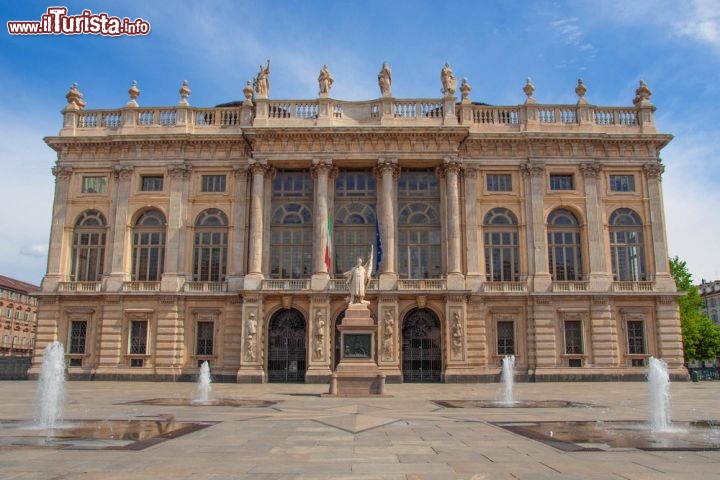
564,249
502,251
94,184
636,337
78,336
205,338
622,183
354,223
505,338
151,183
562,182
148,254
138,337
499,182
627,253
419,237
573,333
88,251
291,225
210,246
213,183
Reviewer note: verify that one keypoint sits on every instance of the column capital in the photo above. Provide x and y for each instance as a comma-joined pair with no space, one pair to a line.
62,172
179,170
532,169
123,172
471,171
388,165
240,170
591,169
452,164
258,167
321,166
654,170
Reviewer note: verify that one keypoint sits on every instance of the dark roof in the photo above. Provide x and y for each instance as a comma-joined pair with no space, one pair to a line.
17,285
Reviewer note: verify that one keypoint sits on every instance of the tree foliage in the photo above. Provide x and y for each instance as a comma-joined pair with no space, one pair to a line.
701,337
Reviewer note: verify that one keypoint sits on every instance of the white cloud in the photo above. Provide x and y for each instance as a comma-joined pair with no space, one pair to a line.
569,30
35,251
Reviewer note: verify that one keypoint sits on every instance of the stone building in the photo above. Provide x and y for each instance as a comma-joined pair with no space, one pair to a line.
710,294
18,305
184,234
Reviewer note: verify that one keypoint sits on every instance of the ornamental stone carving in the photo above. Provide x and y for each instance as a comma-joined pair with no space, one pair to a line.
580,90
654,170
529,90
75,98
388,348
262,81
457,336
590,169
134,93
448,80
184,93
385,80
465,89
179,170
325,81
123,172
62,173
251,338
385,165
319,340
248,92
532,169
642,95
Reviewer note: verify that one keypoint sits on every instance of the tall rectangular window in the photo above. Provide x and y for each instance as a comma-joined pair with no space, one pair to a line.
573,337
499,182
94,184
138,337
152,183
78,334
636,337
204,344
622,183
419,232
505,338
561,182
213,183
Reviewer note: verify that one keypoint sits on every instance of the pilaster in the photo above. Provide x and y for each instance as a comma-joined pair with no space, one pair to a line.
388,343
663,280
475,272
534,173
596,236
319,369
603,333
174,276
58,243
118,250
237,248
254,332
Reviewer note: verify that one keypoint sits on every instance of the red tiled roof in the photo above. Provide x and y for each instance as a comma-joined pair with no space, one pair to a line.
17,285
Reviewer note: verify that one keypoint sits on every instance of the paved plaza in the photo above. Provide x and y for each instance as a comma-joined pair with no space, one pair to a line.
402,436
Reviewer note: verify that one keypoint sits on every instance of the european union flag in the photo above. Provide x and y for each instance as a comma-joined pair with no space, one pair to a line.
378,246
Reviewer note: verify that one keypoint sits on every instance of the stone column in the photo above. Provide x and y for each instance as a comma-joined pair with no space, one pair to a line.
174,276
475,269
239,229
389,171
320,171
663,279
669,334
118,247
58,240
254,277
596,236
534,173
451,169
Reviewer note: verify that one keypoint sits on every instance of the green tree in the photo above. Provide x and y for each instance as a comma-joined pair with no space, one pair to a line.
701,337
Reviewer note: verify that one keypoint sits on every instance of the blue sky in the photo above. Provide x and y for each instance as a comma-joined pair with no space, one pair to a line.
218,45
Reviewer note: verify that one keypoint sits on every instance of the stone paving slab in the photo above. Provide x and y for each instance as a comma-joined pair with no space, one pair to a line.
403,437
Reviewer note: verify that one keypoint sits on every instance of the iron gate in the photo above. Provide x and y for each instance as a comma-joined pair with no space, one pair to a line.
421,352
286,347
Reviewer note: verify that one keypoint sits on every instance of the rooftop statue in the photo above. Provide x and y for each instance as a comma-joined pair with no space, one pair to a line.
385,80
449,83
325,79
262,81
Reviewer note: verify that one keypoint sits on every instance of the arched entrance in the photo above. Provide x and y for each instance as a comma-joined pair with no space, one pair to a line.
286,347
421,347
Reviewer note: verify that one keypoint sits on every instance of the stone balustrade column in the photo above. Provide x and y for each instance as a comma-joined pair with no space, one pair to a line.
320,173
56,248
653,172
389,171
257,198
596,236
118,248
174,276
534,173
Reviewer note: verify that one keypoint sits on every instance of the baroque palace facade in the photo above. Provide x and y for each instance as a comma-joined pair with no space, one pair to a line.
184,234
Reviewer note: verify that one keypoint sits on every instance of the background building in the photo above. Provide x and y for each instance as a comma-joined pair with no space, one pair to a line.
185,234
710,294
18,305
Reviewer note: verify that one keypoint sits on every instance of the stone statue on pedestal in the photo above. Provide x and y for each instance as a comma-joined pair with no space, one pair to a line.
358,279
262,81
449,83
325,80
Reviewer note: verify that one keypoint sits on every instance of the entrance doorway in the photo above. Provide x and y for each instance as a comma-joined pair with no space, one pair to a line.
286,347
421,347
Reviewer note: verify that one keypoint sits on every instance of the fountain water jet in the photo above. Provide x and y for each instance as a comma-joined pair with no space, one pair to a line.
658,395
202,393
51,386
506,378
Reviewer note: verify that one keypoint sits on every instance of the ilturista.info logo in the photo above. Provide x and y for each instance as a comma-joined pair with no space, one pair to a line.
56,21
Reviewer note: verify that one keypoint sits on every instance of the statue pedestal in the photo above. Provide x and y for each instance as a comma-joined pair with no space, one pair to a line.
357,373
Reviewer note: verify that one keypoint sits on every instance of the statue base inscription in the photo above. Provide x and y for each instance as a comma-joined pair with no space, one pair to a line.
357,373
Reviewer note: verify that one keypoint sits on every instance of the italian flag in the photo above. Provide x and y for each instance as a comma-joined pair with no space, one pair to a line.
328,246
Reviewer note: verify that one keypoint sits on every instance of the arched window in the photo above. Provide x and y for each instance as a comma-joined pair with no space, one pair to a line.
502,254
210,246
148,254
563,236
626,246
291,226
419,240
88,254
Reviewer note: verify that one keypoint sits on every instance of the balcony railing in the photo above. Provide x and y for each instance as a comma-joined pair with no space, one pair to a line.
633,286
289,284
565,287
205,287
141,287
422,284
505,287
79,287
